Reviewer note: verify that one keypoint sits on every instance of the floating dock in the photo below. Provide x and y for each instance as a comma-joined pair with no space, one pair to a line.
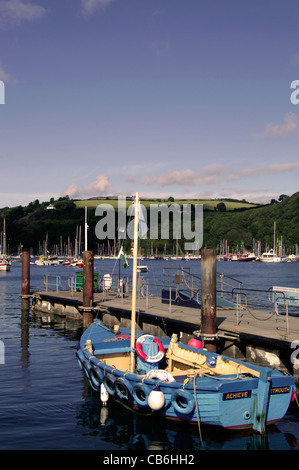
258,335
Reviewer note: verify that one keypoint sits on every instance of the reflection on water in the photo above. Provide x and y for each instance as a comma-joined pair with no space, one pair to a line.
113,423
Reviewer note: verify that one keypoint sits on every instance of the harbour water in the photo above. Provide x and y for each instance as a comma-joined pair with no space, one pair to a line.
46,403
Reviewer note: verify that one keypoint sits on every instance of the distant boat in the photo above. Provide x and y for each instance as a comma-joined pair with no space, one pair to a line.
292,258
142,268
244,256
47,261
270,257
5,262
75,263
186,383
78,263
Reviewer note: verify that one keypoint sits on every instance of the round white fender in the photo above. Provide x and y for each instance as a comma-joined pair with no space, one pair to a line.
160,374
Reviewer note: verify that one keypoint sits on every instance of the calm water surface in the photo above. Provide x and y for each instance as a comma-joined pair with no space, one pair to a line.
46,403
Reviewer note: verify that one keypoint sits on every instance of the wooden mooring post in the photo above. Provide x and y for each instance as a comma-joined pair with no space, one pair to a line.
208,298
88,265
25,280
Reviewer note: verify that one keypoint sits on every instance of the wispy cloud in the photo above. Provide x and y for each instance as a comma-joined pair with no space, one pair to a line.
267,170
91,6
288,127
214,174
209,174
13,12
295,59
4,76
188,183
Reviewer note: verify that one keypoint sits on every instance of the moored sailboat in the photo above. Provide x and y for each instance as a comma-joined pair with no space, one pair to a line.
164,377
5,262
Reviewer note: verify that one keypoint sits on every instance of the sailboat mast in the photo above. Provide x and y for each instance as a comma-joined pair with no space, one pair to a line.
4,238
134,283
85,229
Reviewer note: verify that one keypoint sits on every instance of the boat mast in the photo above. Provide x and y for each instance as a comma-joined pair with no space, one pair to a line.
85,229
134,283
4,238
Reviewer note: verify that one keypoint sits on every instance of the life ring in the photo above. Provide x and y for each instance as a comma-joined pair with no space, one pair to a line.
141,393
183,402
142,354
108,381
123,388
121,336
160,374
96,377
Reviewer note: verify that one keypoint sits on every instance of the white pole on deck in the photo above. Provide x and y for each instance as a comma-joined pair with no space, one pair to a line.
134,283
85,229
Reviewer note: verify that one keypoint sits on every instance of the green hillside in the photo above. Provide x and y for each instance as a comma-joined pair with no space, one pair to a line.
256,223
237,223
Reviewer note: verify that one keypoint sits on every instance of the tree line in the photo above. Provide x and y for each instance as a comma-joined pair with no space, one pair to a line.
27,227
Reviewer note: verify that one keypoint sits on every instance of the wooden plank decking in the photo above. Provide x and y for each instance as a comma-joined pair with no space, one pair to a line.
260,325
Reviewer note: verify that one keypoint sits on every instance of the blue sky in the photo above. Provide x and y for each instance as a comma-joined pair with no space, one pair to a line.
183,98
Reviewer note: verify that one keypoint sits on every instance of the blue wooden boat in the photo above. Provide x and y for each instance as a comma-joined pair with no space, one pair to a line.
187,384
181,382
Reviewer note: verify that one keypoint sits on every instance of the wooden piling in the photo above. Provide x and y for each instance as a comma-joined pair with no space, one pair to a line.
208,298
88,264
25,256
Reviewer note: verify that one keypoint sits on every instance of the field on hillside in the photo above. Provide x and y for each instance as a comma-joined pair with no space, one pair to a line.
207,203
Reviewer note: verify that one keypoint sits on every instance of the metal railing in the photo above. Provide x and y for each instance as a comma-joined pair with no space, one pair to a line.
276,303
57,283
254,302
49,283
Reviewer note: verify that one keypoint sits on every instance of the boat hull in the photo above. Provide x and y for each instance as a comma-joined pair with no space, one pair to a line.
4,267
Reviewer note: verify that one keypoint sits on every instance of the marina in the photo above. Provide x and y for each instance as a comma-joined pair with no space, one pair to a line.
149,213
53,407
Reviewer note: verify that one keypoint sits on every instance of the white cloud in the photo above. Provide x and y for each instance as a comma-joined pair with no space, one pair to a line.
91,6
15,11
101,186
72,191
288,127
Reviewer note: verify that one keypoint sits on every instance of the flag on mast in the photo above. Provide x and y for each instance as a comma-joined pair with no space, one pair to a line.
122,256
